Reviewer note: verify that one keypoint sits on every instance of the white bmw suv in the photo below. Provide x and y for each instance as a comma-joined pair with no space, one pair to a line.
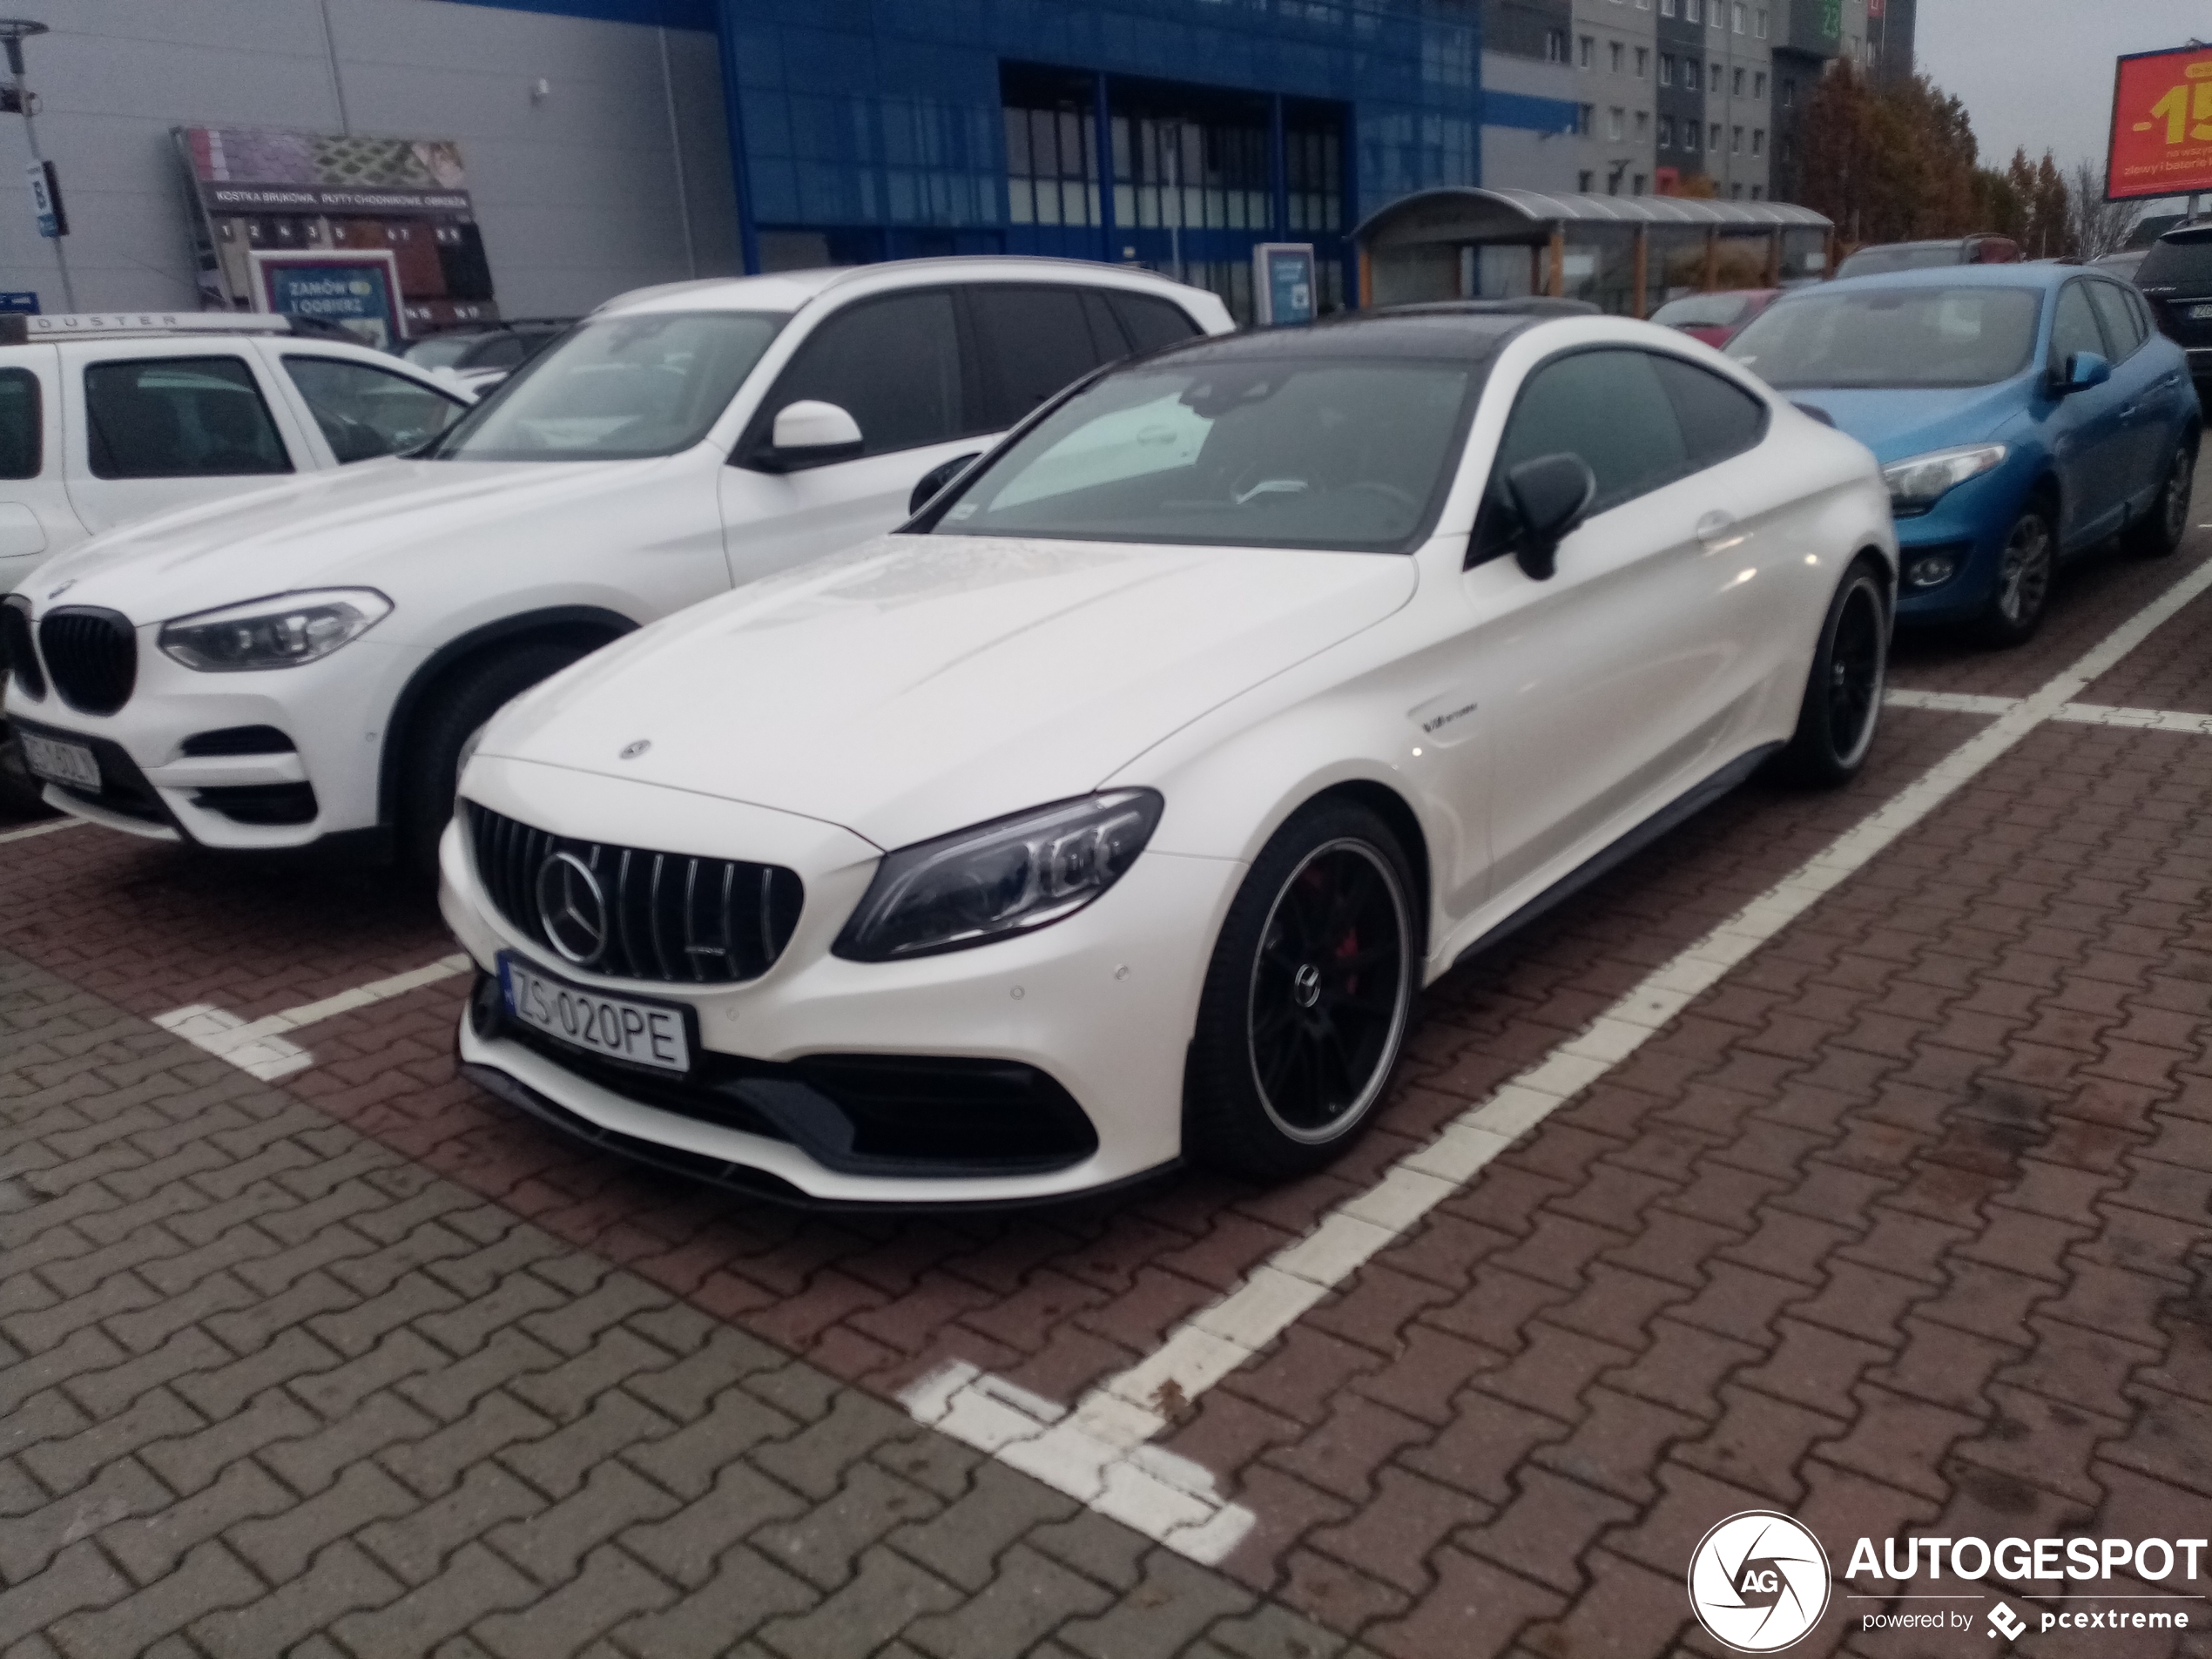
310,666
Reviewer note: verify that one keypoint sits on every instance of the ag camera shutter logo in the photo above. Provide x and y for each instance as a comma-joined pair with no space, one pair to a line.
1758,1581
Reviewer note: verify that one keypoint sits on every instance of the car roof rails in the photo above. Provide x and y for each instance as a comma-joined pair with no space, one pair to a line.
19,327
1530,304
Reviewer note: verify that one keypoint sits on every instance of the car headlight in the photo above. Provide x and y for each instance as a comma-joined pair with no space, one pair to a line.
1012,875
281,632
1917,483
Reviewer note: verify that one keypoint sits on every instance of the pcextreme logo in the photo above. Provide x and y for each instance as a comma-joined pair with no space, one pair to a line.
1758,1581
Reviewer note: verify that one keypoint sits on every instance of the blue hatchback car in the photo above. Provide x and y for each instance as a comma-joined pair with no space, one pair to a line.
2022,413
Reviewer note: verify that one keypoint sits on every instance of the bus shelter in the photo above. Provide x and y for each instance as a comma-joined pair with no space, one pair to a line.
1626,254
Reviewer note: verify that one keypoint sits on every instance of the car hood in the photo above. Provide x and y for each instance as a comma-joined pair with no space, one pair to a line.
1898,422
326,529
917,685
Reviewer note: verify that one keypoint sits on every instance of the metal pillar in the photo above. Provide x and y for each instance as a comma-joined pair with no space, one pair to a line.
1102,130
1556,284
1278,168
1640,264
14,40
740,178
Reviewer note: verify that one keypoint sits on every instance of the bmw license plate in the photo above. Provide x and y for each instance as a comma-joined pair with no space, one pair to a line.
621,1028
2201,313
61,763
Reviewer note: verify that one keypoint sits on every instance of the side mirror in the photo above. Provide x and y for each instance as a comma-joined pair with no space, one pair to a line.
809,433
1550,494
931,482
2083,370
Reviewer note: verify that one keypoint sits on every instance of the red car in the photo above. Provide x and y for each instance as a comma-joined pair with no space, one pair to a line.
1713,317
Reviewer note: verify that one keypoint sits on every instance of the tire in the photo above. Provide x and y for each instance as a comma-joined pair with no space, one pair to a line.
2023,574
1842,702
443,735
1300,1023
2160,532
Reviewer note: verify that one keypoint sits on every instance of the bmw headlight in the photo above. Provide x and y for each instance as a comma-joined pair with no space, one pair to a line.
281,631
1916,485
1012,875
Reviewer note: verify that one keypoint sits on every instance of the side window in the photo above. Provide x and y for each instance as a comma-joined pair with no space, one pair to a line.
367,412
1718,419
179,417
500,351
2119,319
1607,407
2074,327
1153,322
20,423
2144,326
892,364
1032,341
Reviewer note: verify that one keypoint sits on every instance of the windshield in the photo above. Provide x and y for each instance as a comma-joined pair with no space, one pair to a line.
441,351
1882,261
1328,453
619,388
1891,337
2178,262
1702,311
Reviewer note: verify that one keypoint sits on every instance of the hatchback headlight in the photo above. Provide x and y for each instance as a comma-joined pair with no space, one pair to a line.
1917,483
281,632
1012,875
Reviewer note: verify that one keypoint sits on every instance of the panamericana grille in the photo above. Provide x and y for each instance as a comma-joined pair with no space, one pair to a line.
16,652
663,916
91,656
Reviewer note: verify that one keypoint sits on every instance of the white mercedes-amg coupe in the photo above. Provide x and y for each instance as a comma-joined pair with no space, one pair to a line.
1113,810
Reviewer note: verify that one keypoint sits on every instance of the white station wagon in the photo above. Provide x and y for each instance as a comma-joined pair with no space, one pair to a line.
310,666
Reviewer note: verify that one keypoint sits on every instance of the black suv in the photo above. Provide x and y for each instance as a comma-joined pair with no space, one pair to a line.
505,345
2175,276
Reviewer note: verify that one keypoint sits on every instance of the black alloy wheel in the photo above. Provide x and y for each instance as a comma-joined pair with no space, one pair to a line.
2160,530
2023,574
1842,702
1308,996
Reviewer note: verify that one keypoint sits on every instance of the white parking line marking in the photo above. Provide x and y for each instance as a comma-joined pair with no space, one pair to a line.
2073,713
257,1046
41,829
1097,1451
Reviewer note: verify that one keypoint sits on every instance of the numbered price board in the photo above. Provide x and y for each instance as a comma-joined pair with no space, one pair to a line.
2162,126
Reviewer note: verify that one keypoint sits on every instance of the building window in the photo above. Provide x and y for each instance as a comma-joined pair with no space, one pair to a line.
1641,182
1758,24
1735,87
1588,46
1758,84
1643,61
1555,46
1720,14
1736,191
1689,73
1619,53
1690,137
1714,137
1736,141
1585,115
1643,124
1714,81
1758,141
1789,93
1666,68
1666,8
1690,10
1666,132
1737,13
1584,181
1755,192
1613,117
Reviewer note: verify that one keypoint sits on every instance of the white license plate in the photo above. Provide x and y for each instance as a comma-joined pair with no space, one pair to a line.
61,763
2201,313
645,1034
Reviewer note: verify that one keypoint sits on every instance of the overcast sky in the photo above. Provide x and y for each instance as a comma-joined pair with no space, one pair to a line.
2039,72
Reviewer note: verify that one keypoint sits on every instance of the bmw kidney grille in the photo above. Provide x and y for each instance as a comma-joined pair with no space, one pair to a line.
630,912
91,657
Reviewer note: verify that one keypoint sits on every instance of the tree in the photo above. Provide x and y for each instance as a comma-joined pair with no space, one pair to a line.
1889,164
2097,226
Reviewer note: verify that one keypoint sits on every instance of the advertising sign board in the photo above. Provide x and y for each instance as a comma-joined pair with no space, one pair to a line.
1283,285
2162,125
46,199
358,289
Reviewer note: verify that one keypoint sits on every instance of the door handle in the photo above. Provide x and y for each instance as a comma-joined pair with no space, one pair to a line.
1715,525
2130,412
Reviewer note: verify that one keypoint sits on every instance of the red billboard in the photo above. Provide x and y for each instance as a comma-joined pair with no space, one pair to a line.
2162,125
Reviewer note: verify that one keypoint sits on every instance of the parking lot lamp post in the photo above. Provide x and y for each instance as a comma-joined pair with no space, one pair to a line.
13,33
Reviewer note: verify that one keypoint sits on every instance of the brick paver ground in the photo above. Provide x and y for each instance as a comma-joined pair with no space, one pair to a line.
1907,1223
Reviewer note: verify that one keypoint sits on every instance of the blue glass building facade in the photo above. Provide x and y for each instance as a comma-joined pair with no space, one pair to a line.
1176,134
